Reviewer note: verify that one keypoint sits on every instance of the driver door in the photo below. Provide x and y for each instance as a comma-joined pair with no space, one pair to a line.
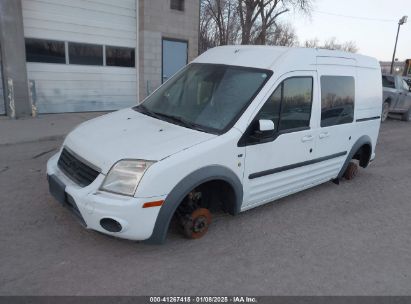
404,101
276,164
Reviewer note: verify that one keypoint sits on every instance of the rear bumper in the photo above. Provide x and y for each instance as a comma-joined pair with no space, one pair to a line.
90,206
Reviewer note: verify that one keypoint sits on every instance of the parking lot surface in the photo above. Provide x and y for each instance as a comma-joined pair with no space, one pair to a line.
351,239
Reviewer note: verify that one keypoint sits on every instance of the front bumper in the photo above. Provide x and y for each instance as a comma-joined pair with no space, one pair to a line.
90,205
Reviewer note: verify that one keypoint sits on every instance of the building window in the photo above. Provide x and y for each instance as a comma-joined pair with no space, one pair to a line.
47,51
337,100
85,54
289,107
120,56
177,5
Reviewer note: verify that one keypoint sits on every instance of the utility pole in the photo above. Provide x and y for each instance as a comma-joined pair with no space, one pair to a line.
401,22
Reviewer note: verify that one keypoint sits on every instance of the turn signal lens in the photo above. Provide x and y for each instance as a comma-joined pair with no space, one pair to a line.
153,204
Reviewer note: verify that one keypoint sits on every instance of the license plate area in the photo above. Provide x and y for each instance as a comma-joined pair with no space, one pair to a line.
57,189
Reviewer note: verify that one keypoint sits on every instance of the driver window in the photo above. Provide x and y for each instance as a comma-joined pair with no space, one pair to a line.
271,109
289,107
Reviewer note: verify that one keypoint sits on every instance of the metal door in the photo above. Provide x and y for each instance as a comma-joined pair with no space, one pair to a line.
175,53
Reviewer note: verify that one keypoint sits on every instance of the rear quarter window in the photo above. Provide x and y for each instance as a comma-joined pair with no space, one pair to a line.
337,100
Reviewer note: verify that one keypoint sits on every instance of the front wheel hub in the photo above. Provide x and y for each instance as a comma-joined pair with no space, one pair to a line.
197,224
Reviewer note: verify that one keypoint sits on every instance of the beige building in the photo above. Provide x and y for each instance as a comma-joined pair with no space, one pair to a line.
174,38
91,55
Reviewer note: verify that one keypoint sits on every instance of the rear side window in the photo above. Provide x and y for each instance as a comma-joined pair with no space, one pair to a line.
289,107
337,100
388,82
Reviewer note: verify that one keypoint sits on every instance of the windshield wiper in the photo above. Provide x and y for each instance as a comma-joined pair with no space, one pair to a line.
147,111
181,121
177,119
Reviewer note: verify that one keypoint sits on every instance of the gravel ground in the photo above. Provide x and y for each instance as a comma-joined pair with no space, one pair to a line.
351,239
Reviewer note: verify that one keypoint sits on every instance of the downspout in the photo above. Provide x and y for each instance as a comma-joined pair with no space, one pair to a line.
137,53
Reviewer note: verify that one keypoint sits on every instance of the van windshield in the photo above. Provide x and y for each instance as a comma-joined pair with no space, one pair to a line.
206,97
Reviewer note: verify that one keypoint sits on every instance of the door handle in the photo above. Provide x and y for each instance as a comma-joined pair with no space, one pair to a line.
324,135
307,138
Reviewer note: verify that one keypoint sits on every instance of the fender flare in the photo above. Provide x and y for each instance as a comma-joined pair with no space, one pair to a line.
188,183
363,140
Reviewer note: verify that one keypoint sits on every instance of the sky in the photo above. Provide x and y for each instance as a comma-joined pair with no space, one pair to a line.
373,38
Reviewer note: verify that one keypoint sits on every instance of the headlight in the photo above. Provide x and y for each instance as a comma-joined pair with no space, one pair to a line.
124,176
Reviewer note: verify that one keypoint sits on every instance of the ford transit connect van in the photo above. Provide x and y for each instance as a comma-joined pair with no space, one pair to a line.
238,127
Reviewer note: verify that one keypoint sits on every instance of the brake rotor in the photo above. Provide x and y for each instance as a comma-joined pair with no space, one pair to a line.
351,171
197,225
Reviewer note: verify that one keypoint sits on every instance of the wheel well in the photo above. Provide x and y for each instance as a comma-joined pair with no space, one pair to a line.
216,195
363,155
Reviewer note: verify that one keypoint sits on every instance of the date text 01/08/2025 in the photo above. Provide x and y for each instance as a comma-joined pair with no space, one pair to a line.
210,299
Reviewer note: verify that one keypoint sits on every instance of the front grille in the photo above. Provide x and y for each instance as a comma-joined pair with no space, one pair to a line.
75,169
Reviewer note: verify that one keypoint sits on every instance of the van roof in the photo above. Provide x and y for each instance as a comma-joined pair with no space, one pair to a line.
271,57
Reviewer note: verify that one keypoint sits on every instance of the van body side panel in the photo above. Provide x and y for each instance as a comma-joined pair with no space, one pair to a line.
368,93
369,103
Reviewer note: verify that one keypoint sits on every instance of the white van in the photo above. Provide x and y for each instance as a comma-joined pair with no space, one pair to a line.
238,127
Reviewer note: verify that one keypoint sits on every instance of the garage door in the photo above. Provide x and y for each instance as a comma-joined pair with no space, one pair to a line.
81,54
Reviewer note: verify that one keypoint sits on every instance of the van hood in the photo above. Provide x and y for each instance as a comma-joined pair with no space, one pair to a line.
127,134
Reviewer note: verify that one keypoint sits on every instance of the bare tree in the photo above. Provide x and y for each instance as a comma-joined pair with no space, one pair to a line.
312,43
350,46
207,33
270,10
247,22
332,44
283,35
223,14
248,11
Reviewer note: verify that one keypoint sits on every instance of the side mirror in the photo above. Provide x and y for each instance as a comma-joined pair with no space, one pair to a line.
264,128
265,125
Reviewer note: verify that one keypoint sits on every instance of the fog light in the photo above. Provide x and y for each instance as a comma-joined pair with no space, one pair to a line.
110,225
